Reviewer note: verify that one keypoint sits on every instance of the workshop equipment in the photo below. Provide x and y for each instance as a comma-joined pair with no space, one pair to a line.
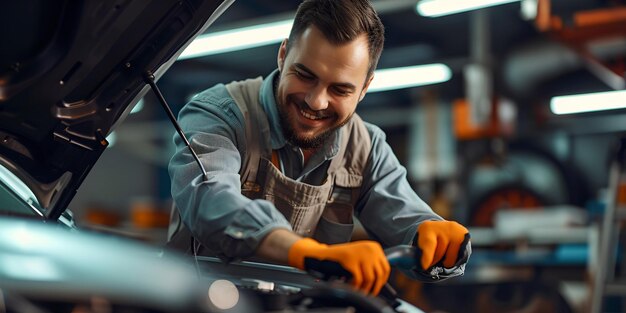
605,282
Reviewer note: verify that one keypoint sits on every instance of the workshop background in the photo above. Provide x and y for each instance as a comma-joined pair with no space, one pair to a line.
483,147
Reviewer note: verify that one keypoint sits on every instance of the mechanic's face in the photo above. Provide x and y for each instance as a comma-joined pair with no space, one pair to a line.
320,86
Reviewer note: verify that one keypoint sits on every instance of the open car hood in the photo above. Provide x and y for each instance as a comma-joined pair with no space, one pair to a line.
71,70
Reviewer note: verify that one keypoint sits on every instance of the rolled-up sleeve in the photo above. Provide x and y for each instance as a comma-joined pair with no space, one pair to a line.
388,207
214,209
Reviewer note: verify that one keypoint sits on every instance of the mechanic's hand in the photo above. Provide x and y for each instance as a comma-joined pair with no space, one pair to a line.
439,240
363,262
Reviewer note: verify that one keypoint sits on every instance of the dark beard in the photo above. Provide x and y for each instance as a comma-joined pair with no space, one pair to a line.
305,143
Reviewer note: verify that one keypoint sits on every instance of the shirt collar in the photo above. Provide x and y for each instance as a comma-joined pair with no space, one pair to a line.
277,140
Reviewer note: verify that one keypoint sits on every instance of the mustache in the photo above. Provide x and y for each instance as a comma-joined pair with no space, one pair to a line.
302,105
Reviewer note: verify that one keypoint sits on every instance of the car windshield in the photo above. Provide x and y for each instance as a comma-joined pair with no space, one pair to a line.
15,197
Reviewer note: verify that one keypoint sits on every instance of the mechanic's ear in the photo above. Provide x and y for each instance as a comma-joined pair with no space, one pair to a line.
367,85
282,53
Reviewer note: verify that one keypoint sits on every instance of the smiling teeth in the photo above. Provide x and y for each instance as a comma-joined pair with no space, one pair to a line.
310,116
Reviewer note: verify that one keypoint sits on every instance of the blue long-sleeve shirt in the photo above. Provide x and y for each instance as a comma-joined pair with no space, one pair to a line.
230,224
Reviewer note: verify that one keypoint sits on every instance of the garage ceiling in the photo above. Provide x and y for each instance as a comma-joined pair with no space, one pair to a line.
527,65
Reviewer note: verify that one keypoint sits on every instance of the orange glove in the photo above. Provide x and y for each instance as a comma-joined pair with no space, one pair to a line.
363,262
439,240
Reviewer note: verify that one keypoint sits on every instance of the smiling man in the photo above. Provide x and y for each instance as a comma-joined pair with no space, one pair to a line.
320,85
290,164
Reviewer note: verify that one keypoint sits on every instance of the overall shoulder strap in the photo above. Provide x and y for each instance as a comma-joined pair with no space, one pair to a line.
346,172
348,166
246,96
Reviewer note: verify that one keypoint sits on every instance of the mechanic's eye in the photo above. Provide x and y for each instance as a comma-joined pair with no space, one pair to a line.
304,76
341,91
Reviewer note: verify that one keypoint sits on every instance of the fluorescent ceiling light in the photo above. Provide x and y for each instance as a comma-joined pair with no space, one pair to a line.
254,36
434,8
138,107
590,102
410,76
237,39
112,139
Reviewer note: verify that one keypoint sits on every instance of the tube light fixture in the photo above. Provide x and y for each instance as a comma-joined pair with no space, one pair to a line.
435,8
410,76
254,36
138,107
111,139
590,102
237,39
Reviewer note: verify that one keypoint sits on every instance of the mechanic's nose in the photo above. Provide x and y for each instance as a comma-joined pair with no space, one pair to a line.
317,99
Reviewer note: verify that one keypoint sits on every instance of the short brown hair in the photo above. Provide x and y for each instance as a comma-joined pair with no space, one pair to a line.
341,21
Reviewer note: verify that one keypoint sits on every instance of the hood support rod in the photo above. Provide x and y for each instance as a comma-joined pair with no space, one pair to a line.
149,79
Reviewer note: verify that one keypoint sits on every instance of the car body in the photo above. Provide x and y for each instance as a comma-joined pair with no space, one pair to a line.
70,72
